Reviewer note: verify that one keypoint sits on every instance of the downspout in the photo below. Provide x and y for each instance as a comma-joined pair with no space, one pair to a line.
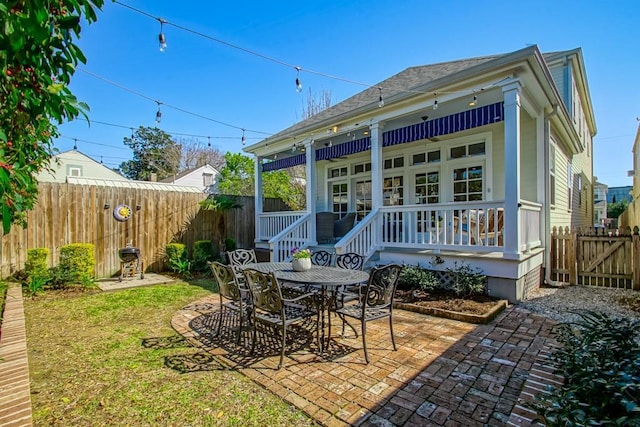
547,191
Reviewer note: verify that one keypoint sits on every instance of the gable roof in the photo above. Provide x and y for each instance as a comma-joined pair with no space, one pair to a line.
182,174
90,168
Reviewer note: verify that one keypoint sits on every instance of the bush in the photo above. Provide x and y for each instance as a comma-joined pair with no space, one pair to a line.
467,280
36,265
177,258
599,358
202,252
415,277
77,262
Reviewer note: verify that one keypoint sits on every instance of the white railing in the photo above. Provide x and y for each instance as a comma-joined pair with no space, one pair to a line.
362,239
272,223
476,226
530,225
296,235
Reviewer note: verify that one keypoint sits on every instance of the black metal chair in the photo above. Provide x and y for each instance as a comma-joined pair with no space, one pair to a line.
231,295
240,258
322,258
270,308
350,261
376,301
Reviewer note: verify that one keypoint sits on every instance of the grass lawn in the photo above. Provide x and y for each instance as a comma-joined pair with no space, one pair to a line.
88,366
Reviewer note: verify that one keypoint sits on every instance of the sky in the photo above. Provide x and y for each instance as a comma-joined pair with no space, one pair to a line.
209,91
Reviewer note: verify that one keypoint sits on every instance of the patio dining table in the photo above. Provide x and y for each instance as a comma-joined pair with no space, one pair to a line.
327,279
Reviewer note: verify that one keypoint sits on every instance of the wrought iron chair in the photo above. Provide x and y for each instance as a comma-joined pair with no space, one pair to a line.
322,258
270,308
376,301
231,296
239,258
349,261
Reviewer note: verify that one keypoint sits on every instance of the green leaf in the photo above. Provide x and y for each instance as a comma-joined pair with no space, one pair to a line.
55,88
6,219
67,22
3,136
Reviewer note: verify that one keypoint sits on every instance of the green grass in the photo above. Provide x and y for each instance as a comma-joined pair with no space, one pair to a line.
88,367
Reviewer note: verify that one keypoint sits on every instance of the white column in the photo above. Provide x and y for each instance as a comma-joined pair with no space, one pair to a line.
311,187
376,165
511,93
258,195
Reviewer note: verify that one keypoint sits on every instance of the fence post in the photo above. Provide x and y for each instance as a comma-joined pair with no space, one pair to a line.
635,257
573,256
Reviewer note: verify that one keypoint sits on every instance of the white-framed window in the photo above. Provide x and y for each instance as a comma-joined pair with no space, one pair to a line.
467,150
552,175
74,170
393,163
432,156
340,198
393,191
207,179
427,187
338,172
363,198
468,183
361,168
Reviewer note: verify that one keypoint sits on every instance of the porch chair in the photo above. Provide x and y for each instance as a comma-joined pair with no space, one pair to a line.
324,227
482,228
231,295
270,308
342,226
376,301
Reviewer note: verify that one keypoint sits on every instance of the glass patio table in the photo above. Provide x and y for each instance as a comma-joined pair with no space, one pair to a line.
327,279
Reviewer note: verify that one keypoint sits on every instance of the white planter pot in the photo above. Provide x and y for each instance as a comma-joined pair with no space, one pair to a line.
301,264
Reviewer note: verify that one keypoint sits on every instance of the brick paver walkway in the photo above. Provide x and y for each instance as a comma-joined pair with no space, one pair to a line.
445,372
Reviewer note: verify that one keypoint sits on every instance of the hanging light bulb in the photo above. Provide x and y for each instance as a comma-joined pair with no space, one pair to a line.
435,102
380,100
101,162
275,156
293,148
209,143
132,134
159,113
244,140
161,38
474,101
298,82
75,144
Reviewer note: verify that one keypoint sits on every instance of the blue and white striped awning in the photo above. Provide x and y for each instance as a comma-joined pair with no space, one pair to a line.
457,122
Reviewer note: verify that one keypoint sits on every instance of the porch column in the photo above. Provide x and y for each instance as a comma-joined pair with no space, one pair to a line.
376,165
310,187
511,94
258,196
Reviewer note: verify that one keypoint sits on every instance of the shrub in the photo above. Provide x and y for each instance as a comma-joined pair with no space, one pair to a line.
35,284
175,251
230,244
416,277
77,262
202,252
599,358
467,280
36,265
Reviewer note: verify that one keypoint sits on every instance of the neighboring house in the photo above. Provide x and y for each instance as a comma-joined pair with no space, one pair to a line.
618,194
631,216
75,164
205,177
599,204
472,160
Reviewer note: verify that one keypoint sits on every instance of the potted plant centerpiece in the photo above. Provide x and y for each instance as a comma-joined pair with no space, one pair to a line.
301,259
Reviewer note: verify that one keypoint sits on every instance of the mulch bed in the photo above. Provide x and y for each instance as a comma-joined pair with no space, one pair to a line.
477,304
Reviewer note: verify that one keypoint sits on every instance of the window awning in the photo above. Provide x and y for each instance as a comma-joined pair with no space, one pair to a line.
457,122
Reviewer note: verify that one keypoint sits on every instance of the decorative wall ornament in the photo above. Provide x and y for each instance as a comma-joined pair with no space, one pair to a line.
122,213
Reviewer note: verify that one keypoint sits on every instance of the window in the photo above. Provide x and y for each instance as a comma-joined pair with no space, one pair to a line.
393,189
467,184
433,156
428,187
421,158
475,149
74,170
396,162
340,198
207,179
361,168
338,172
363,198
552,175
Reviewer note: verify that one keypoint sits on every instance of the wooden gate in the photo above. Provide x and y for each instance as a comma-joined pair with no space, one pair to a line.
596,257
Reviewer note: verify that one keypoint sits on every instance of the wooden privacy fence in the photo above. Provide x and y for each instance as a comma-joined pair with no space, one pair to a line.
596,257
70,213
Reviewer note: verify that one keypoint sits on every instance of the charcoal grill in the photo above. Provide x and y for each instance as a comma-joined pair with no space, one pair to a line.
131,262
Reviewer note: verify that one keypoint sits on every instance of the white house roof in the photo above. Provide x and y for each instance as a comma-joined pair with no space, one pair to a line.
145,185
62,163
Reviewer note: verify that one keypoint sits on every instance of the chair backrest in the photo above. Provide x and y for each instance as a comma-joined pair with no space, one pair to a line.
381,286
226,278
324,226
350,261
242,257
342,226
265,291
322,258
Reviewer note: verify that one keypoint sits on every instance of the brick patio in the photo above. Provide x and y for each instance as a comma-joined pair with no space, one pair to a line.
445,372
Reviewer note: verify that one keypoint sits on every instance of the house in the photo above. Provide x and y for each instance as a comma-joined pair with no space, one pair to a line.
471,161
631,216
618,194
205,177
73,163
599,204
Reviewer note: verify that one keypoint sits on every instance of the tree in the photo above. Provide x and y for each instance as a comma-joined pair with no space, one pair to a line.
314,103
38,57
153,152
616,208
195,155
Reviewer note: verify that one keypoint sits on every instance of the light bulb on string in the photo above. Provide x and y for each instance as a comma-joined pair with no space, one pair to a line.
161,38
435,102
474,101
298,82
101,162
209,142
244,140
75,144
158,113
380,100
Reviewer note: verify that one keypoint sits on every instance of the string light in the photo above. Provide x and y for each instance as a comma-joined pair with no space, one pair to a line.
298,83
435,102
209,143
474,101
158,113
101,162
161,38
380,100
244,140
75,144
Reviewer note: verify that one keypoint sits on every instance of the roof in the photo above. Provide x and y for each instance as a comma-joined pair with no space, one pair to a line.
143,185
182,174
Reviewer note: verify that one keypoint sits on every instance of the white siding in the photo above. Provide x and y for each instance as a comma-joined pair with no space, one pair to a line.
76,164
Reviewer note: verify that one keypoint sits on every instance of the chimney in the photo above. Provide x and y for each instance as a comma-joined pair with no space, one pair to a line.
153,177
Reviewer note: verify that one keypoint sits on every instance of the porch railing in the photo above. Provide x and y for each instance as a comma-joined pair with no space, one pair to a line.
296,235
363,239
530,225
272,223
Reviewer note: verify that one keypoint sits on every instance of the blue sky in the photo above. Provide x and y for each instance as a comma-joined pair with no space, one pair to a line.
363,41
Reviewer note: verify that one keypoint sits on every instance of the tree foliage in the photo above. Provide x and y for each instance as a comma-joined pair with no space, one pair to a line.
154,151
38,57
195,155
237,178
616,208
